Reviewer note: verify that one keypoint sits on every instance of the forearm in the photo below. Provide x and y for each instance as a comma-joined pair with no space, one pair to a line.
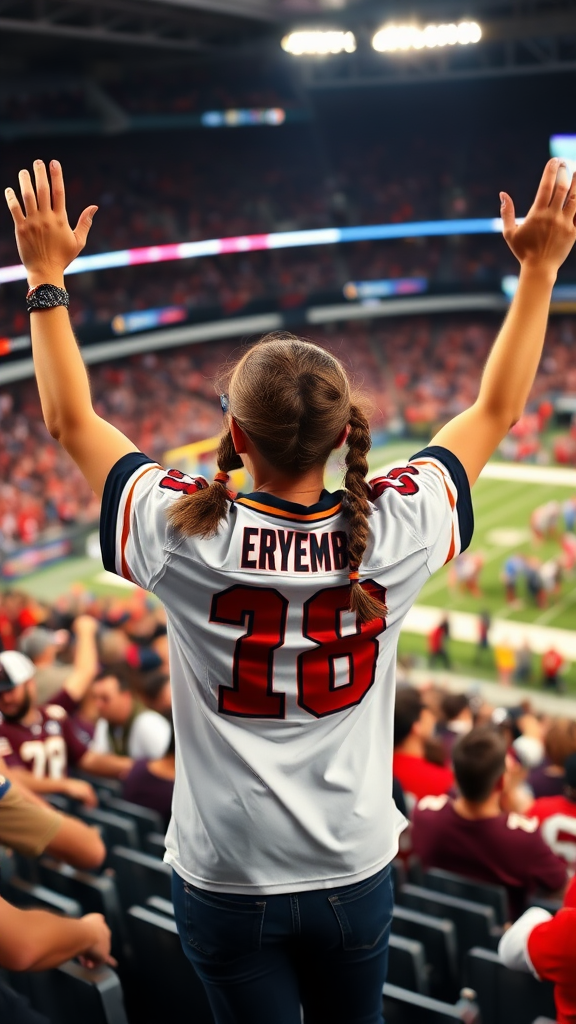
33,784
60,372
111,766
513,361
85,665
42,940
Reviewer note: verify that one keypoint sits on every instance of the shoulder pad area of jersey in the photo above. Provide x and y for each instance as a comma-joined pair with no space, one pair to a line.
521,821
433,803
55,711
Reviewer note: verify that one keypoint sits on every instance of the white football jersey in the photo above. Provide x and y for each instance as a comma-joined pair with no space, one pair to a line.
283,702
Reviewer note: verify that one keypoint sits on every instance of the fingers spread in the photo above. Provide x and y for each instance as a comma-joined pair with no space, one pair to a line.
28,194
570,204
547,183
14,206
42,186
562,185
58,193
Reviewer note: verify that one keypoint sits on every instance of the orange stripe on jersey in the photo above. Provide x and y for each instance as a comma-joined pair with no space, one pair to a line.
279,513
125,571
451,500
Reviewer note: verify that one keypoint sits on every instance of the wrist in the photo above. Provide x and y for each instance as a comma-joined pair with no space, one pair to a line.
541,271
55,277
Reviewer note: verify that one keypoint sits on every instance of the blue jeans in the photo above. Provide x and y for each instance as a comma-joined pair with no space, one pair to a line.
261,958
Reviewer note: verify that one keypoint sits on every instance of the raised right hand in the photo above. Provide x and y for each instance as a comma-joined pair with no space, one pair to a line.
548,232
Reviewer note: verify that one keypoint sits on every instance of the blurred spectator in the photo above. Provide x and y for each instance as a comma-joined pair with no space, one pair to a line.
552,665
523,658
38,742
544,945
125,726
505,659
514,569
151,783
472,836
53,680
457,720
549,778
414,725
153,689
557,816
33,828
483,644
438,645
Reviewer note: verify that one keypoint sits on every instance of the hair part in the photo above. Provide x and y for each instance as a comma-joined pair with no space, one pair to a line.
293,400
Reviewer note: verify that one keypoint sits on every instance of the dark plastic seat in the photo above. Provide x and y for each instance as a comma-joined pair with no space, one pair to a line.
475,923
29,895
163,906
116,829
552,906
155,844
145,819
403,1007
100,783
407,964
70,994
505,995
399,875
138,876
163,970
96,894
59,801
544,1020
438,937
451,884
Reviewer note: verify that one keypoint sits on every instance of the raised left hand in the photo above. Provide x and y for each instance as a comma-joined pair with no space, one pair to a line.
46,242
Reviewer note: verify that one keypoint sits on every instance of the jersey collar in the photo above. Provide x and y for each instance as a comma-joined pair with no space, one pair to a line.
329,505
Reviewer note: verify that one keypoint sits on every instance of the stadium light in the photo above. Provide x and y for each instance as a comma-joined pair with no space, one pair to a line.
395,38
319,42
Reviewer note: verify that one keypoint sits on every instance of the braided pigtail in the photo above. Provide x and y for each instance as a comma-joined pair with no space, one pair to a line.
201,513
357,509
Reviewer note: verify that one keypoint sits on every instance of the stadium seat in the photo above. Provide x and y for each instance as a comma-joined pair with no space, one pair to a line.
116,829
403,1007
438,937
96,894
475,923
467,889
30,896
71,993
155,844
505,995
101,784
145,819
138,876
169,978
161,905
543,1020
407,964
60,802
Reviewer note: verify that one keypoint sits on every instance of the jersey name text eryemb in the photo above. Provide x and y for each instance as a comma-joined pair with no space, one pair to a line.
282,700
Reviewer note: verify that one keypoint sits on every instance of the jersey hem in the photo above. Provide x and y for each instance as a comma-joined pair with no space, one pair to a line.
297,885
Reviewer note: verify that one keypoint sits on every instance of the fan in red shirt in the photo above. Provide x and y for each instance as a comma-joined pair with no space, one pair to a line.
546,946
557,816
472,836
414,724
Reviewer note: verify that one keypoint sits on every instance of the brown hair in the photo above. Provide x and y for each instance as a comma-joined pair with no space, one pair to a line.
293,400
479,760
560,741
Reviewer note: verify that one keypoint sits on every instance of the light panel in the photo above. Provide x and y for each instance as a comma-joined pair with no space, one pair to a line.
319,42
399,38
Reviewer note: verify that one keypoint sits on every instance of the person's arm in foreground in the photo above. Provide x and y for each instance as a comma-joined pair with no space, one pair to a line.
541,244
47,244
35,940
76,789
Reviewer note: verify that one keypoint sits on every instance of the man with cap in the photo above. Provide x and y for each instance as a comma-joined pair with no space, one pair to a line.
38,742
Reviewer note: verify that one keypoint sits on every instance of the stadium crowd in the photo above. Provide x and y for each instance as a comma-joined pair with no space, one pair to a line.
415,372
490,793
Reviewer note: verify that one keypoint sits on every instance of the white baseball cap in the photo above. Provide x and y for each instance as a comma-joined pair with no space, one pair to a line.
15,669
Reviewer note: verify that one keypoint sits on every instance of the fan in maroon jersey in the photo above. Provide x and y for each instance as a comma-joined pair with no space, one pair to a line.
38,743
